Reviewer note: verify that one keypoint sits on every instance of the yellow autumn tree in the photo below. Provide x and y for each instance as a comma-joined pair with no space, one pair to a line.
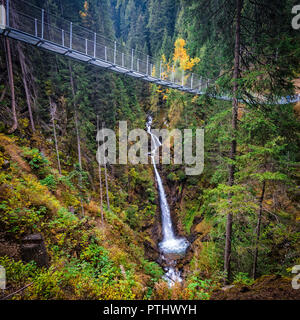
181,56
180,61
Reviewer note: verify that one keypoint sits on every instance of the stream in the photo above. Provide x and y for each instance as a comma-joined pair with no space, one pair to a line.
171,246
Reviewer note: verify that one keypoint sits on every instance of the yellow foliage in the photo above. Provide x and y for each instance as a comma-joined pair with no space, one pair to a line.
203,228
39,194
13,151
93,207
84,13
177,292
161,291
180,59
181,56
153,71
23,124
194,100
2,159
175,111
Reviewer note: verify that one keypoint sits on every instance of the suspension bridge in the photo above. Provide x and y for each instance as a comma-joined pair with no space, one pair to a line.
25,22
28,23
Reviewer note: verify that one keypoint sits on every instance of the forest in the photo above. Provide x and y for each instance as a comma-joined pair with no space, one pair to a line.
74,229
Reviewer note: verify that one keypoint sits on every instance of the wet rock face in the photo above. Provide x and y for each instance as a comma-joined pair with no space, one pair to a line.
151,246
33,248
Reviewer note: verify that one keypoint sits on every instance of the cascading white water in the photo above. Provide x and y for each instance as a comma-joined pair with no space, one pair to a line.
170,243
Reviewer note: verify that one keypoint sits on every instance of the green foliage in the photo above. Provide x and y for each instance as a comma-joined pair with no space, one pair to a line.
132,216
199,288
243,278
50,181
46,285
172,177
36,159
67,180
19,220
17,272
98,257
64,219
153,269
189,218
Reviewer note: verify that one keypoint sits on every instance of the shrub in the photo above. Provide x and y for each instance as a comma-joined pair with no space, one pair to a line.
17,272
35,158
50,182
46,285
172,177
153,270
132,216
64,220
243,278
199,289
20,220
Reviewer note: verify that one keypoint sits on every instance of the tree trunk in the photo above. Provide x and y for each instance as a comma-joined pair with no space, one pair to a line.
106,181
227,257
12,86
100,178
258,229
24,78
77,130
106,186
52,111
78,139
75,117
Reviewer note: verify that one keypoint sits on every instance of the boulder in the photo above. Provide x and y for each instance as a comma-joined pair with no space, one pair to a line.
33,248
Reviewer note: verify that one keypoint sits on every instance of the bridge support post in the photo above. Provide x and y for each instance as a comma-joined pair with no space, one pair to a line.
131,59
105,53
63,37
86,46
43,20
122,59
147,68
95,44
115,52
71,34
35,27
182,78
160,70
192,78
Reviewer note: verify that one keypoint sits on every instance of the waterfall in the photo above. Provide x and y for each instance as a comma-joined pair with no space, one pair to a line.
170,244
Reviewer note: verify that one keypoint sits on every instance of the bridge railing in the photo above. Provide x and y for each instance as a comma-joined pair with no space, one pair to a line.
47,27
